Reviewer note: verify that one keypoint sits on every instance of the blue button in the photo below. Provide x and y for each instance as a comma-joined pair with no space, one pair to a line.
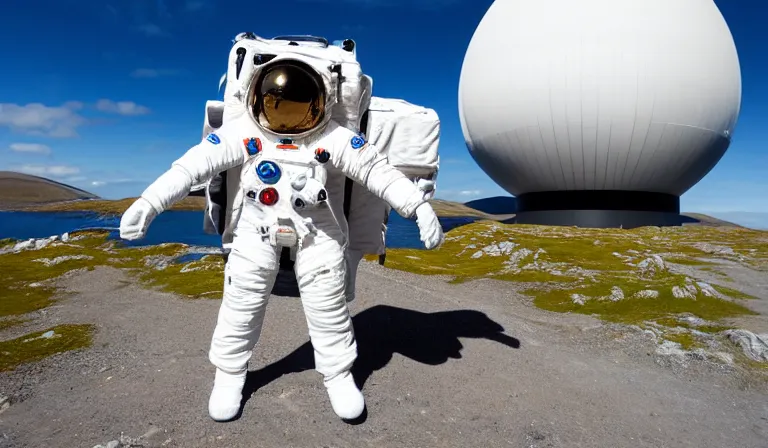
268,172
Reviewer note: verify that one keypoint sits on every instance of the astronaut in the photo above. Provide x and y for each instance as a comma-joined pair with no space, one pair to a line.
285,146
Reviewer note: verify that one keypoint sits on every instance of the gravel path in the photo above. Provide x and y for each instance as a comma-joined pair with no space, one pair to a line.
443,365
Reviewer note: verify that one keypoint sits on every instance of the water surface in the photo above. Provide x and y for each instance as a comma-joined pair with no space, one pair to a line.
174,227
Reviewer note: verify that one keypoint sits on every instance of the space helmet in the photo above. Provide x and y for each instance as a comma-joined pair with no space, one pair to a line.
287,97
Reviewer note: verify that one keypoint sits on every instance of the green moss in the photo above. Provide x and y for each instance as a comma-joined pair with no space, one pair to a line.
10,323
687,261
21,273
686,340
712,329
632,310
33,347
732,293
203,278
671,322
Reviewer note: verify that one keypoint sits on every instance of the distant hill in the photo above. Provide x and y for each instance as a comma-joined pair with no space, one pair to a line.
21,190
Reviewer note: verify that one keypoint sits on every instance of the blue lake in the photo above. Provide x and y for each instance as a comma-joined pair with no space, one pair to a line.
173,227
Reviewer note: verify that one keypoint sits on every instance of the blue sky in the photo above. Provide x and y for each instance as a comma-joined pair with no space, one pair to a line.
104,95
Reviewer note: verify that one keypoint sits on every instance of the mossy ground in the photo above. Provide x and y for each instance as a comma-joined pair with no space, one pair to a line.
590,262
26,285
34,347
26,280
553,262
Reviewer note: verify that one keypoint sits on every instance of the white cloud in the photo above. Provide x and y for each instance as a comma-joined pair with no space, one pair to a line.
101,183
35,148
39,119
153,72
47,170
470,192
121,107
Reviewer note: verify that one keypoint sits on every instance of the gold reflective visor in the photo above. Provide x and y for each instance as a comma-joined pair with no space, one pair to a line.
289,98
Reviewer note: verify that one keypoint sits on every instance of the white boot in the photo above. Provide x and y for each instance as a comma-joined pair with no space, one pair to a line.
346,399
226,395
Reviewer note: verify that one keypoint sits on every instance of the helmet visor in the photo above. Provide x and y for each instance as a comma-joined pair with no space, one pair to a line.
289,98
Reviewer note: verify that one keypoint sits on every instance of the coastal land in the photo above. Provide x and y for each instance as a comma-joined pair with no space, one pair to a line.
507,335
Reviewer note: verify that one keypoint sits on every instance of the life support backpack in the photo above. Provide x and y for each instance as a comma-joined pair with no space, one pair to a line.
407,133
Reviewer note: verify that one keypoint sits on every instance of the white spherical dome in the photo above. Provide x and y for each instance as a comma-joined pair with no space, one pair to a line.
628,95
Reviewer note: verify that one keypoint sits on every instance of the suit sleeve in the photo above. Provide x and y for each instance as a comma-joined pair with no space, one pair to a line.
365,164
219,151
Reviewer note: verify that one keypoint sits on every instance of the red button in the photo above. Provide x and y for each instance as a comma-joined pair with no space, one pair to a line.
268,196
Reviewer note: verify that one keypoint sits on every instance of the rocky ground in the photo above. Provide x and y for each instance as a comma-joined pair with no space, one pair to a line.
446,360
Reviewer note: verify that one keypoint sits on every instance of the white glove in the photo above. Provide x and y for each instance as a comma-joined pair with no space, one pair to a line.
430,230
136,220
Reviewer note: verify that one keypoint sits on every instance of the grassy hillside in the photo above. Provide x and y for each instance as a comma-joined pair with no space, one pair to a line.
20,190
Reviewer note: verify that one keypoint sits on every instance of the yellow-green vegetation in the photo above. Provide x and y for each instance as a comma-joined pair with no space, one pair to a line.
633,310
730,292
27,285
176,278
36,346
26,276
116,207
619,275
686,340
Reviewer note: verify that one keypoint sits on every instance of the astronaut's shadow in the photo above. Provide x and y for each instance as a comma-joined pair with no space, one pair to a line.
383,330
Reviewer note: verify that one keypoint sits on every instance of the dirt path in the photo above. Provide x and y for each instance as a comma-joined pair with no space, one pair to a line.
443,365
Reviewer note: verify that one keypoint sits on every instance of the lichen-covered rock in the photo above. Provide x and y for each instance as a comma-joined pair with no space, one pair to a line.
714,249
755,346
517,257
652,266
708,290
670,348
616,294
63,258
682,293
646,294
579,299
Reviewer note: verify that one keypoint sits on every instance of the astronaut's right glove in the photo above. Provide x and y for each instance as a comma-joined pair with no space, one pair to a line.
430,230
136,220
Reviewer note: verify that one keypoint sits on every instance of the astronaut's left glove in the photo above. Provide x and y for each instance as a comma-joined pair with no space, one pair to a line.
430,230
136,220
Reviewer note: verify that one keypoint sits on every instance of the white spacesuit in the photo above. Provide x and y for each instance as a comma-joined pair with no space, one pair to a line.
285,146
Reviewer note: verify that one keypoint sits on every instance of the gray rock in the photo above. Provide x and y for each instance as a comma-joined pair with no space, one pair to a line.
616,294
652,266
708,290
755,346
61,259
646,294
714,249
682,293
579,299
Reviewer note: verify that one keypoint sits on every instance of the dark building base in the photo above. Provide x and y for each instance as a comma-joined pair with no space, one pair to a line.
599,208
600,218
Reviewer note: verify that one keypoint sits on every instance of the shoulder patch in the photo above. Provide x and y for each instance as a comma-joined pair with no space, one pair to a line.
213,138
357,142
252,145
